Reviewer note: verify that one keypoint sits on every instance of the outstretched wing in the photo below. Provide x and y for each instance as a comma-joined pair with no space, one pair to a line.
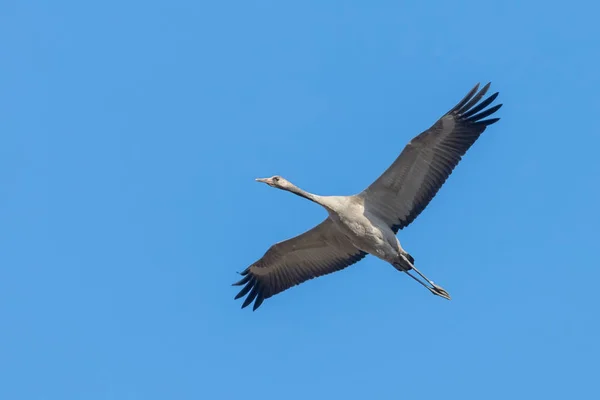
403,191
319,251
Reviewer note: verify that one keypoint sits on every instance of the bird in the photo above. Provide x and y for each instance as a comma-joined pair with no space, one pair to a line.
368,222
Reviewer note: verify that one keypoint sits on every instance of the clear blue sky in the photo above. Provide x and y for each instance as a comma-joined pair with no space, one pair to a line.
131,134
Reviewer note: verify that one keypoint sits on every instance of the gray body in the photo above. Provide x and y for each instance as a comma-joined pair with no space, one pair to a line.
363,228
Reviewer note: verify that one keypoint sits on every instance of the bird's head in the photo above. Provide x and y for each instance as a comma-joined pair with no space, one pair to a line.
276,182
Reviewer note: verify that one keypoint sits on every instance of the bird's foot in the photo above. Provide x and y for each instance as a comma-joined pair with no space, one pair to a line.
438,291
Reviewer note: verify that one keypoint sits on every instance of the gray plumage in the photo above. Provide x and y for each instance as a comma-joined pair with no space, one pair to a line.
366,223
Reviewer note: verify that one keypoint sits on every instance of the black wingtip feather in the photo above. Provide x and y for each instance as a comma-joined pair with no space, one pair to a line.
251,296
467,110
242,281
481,106
488,122
254,289
484,113
465,99
245,289
474,100
259,300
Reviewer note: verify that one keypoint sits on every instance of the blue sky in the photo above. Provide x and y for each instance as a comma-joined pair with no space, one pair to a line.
132,132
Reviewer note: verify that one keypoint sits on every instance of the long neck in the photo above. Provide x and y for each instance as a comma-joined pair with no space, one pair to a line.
303,193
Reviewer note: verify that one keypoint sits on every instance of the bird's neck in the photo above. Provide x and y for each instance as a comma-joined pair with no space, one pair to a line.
303,193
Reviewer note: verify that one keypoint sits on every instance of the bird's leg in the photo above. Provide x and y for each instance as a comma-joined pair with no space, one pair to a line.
418,280
435,289
405,266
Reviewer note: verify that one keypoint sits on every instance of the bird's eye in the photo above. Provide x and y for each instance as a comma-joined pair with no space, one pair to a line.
276,179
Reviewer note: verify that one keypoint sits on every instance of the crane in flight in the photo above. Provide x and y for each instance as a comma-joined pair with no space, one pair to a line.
367,223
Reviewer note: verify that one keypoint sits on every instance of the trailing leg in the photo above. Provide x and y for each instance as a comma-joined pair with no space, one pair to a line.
404,265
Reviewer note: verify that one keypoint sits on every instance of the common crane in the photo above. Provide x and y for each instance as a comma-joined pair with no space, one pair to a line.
367,223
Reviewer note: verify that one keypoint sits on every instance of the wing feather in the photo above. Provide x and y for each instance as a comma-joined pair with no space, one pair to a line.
317,252
403,191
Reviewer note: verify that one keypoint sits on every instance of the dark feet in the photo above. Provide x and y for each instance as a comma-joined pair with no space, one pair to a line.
438,291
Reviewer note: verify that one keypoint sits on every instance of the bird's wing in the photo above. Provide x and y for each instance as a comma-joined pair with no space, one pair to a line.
318,251
404,190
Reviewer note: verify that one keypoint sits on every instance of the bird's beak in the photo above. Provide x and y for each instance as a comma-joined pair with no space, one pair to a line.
263,180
